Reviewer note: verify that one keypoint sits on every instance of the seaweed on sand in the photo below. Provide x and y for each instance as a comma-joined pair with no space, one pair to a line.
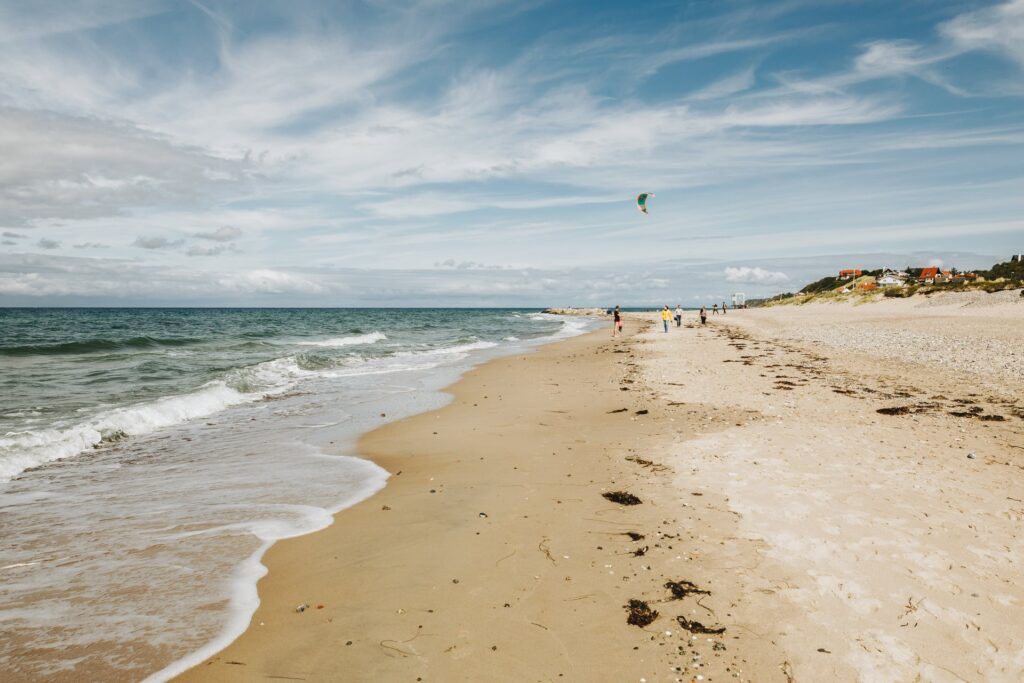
622,498
680,589
897,410
697,627
640,613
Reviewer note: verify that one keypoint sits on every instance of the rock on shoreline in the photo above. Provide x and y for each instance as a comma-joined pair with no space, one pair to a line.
586,312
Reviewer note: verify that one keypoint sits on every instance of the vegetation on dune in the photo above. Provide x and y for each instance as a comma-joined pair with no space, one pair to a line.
1011,270
825,284
1000,277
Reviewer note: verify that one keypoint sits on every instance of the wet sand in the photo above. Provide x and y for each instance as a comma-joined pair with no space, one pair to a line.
830,541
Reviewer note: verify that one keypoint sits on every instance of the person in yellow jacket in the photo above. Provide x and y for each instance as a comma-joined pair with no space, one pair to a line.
666,317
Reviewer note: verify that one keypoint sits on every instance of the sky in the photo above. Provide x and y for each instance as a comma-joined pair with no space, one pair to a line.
436,153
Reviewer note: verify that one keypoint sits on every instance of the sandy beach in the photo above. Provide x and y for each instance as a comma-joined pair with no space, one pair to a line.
827,492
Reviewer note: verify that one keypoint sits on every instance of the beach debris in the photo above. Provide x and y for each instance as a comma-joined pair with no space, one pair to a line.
319,606
618,410
483,515
640,552
543,547
642,412
970,456
302,608
680,589
697,627
896,410
622,498
640,613
634,536
641,201
385,507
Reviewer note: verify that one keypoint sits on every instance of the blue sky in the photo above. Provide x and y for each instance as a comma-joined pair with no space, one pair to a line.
488,153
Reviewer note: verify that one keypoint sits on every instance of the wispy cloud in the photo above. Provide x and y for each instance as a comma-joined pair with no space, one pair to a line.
756,275
998,29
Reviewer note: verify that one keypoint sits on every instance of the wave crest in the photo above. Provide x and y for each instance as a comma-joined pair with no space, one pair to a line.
355,340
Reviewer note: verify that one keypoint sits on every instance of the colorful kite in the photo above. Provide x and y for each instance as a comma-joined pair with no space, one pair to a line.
641,201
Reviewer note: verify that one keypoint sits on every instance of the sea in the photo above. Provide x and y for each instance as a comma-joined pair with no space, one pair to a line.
149,457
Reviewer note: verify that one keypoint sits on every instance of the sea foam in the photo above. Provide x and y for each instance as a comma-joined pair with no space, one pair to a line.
356,340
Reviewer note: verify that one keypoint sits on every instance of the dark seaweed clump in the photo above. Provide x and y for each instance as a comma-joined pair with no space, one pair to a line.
697,627
680,589
622,498
898,410
640,613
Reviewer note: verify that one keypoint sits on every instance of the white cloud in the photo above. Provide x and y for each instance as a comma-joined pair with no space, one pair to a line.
51,17
269,282
465,265
730,85
997,29
755,275
57,166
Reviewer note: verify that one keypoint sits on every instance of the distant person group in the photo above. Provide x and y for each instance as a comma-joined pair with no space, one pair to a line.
668,316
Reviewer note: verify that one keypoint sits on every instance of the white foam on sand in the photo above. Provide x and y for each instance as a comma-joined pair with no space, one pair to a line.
243,597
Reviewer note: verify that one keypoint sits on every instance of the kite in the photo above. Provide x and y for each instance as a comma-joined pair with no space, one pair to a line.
641,201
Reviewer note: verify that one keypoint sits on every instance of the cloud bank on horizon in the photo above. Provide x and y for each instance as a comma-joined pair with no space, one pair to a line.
431,153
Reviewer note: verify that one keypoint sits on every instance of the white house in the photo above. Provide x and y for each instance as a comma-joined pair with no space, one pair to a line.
890,281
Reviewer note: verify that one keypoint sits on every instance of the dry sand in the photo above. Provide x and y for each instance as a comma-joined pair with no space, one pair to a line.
834,542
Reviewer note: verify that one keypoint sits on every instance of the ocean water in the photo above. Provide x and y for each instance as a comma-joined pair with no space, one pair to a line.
149,457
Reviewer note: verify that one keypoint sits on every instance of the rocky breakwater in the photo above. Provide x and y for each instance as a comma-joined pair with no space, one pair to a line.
585,312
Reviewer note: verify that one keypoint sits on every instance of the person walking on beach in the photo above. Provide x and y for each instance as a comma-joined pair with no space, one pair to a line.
679,315
714,309
616,322
723,308
703,316
666,315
